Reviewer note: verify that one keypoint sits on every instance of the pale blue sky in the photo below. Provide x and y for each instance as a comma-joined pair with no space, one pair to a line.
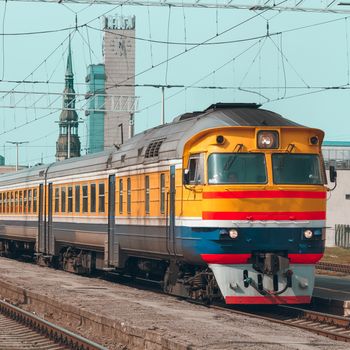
315,56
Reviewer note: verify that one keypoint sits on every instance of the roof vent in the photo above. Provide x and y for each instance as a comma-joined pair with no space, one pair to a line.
153,149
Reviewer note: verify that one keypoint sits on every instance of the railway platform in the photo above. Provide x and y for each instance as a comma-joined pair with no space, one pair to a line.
333,292
122,317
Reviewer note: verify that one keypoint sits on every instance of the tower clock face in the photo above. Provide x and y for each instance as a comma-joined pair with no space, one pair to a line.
118,46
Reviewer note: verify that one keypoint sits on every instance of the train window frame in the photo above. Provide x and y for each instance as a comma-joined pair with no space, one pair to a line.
128,195
147,194
101,197
77,198
35,200
30,199
120,196
57,200
195,166
162,193
70,199
214,181
16,202
93,197
63,199
25,201
0,202
322,179
12,202
7,202
20,196
85,198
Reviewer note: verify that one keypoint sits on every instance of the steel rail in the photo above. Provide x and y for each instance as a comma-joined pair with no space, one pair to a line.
328,325
56,333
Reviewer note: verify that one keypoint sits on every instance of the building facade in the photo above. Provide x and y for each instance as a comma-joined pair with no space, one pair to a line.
68,143
119,56
96,93
337,153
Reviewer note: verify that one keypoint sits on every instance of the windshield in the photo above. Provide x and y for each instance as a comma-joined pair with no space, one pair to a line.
296,169
236,168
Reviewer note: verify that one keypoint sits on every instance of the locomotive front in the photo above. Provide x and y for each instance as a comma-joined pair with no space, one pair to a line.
255,210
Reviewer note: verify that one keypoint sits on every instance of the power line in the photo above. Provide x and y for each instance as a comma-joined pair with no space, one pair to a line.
252,5
191,49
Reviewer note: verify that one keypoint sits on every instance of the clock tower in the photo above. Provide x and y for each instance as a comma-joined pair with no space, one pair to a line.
119,57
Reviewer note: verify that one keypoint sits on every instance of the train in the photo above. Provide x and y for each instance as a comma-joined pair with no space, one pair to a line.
226,203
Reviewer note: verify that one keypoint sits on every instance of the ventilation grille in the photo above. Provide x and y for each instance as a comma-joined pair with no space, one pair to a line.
153,149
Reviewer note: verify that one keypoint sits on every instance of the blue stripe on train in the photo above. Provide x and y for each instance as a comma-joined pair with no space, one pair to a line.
196,241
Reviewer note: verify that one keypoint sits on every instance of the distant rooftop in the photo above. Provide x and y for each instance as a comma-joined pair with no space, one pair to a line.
336,143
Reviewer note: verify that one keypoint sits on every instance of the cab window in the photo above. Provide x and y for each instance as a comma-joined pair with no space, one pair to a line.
196,169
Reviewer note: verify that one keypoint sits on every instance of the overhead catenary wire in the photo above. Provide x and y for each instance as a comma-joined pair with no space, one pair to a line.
190,49
212,87
186,43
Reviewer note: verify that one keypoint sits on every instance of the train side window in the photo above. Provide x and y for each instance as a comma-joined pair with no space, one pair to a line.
162,193
1,202
35,192
16,202
57,200
85,199
30,199
121,196
93,198
7,202
128,185
12,202
70,199
63,199
196,169
101,197
77,199
20,201
147,194
25,201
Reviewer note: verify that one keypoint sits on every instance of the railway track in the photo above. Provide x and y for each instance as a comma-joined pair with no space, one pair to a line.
331,326
326,266
22,330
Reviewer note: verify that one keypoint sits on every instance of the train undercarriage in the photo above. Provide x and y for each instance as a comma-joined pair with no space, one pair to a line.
267,275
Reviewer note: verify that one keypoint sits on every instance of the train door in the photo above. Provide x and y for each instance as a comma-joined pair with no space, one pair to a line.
41,226
49,234
171,236
113,244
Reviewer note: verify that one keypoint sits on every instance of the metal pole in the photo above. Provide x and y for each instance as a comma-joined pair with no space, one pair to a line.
17,143
163,108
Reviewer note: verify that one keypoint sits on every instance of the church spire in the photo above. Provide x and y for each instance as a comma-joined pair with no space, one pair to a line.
68,143
69,77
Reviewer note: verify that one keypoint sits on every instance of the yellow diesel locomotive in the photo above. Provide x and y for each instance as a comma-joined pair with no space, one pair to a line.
228,202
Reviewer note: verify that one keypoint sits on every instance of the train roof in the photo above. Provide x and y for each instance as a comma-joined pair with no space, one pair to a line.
159,143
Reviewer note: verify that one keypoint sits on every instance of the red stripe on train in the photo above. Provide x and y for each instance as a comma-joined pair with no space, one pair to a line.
225,259
251,216
269,299
265,194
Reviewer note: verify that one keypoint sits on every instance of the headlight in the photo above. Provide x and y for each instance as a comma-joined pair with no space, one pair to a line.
308,234
268,139
233,233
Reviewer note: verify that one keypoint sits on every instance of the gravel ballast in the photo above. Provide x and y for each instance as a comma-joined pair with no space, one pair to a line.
122,317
